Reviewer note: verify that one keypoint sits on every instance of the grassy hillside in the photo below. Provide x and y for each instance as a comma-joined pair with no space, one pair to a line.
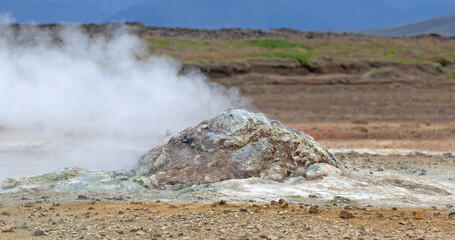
403,50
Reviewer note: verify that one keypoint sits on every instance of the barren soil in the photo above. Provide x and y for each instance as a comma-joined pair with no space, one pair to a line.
94,220
347,116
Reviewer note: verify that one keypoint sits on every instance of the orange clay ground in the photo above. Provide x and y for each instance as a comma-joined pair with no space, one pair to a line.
220,221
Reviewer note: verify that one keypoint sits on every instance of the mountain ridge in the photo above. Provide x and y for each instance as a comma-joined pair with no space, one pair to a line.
444,25
297,14
323,15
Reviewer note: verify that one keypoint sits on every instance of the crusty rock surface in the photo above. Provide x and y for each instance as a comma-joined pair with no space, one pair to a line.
235,144
9,183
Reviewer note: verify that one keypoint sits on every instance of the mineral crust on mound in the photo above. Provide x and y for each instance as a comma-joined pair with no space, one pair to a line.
236,144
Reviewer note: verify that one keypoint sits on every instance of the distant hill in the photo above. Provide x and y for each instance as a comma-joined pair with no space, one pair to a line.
322,15
444,25
265,14
418,10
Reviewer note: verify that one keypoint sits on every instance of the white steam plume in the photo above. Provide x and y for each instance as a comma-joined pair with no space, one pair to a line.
95,102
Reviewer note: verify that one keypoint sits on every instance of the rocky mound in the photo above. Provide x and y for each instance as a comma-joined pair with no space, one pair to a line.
237,144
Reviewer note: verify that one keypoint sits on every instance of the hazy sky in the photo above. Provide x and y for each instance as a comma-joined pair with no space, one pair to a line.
299,14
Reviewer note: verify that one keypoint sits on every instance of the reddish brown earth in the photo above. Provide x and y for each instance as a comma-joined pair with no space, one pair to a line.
221,221
354,107
383,137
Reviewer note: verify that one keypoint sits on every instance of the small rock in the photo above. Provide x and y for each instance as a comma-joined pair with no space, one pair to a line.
312,195
115,198
338,200
320,170
448,154
282,203
38,232
418,216
82,197
156,235
220,203
265,234
416,171
404,221
452,215
7,229
257,210
376,170
246,237
405,161
345,214
313,210
416,154
9,183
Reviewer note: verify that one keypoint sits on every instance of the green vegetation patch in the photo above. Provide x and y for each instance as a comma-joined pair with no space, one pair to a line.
139,179
271,43
62,176
160,44
359,121
183,189
54,177
190,50
360,129
444,62
181,186
303,59
410,125
450,74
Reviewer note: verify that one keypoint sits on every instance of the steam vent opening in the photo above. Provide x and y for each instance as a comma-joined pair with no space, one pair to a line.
237,144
